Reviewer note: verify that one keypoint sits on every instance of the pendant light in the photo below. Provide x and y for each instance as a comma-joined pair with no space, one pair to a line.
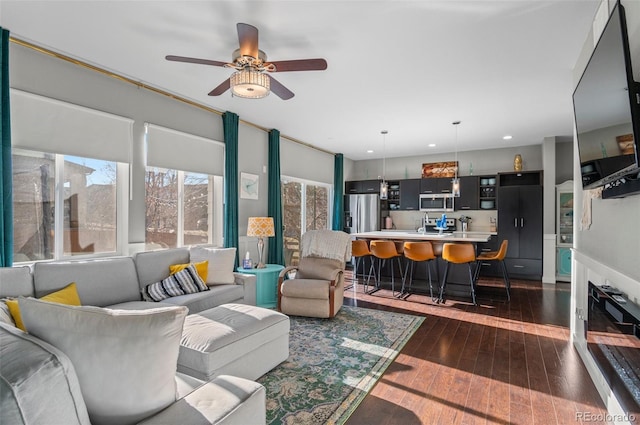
384,187
455,183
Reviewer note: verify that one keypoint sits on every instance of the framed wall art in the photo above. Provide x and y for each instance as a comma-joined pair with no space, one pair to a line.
439,169
249,184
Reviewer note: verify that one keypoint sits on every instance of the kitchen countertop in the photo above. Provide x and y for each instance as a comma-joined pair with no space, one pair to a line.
428,236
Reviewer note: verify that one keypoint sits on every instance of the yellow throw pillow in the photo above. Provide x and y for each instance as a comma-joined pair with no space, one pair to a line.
67,295
202,268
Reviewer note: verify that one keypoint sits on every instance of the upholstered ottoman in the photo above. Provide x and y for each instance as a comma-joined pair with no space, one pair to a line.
233,339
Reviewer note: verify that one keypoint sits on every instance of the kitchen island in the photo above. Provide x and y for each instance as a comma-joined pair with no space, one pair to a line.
400,235
458,278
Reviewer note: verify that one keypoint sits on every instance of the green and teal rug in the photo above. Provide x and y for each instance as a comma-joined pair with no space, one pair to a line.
333,364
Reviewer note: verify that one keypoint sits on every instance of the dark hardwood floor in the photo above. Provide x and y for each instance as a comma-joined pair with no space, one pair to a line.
497,363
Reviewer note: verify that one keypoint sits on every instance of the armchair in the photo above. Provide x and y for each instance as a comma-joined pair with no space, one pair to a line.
317,289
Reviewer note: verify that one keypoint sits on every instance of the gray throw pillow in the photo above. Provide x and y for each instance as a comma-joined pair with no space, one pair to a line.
125,359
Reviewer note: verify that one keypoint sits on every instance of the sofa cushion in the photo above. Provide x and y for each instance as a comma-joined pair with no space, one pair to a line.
16,281
38,383
100,281
125,360
186,281
202,267
153,266
138,305
227,400
67,295
215,296
222,263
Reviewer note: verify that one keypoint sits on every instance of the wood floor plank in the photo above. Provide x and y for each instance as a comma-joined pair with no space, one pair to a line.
496,363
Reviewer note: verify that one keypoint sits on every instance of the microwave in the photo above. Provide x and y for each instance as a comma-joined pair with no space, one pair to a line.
436,202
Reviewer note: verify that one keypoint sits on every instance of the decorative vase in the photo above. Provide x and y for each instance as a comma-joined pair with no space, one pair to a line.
517,162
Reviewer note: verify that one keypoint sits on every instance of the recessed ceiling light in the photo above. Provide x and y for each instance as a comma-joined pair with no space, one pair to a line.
507,137
370,151
432,145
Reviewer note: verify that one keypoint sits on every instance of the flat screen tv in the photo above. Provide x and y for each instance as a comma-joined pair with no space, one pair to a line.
606,105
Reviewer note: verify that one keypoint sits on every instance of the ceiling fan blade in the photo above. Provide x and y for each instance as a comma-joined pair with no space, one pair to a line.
194,60
248,38
299,65
281,91
223,87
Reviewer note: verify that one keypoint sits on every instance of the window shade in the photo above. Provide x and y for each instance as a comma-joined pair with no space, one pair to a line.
48,125
306,163
167,148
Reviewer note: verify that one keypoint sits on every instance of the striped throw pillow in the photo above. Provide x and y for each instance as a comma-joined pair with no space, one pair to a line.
186,281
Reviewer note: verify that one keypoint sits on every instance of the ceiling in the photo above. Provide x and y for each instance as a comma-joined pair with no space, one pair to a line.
409,67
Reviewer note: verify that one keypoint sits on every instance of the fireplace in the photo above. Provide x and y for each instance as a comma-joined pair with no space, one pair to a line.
613,334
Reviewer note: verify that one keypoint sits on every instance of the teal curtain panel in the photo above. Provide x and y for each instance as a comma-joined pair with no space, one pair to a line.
338,192
275,253
6,226
230,127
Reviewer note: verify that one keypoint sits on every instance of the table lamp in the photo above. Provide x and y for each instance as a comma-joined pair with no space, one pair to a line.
260,227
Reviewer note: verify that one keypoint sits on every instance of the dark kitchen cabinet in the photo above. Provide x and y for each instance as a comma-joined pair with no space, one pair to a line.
361,186
520,222
435,185
410,194
468,199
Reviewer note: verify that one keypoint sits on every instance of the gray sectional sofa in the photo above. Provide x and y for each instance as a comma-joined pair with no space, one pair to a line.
225,343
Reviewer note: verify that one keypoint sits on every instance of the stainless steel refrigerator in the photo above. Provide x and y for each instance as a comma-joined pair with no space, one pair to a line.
362,213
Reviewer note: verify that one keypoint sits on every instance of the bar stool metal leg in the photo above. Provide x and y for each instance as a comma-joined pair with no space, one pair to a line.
444,283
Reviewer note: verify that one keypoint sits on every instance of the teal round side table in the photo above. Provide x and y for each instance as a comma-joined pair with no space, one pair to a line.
266,284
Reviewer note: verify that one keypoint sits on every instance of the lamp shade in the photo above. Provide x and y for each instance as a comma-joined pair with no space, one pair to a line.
260,227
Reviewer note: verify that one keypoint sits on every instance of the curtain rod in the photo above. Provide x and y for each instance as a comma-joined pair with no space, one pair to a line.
139,84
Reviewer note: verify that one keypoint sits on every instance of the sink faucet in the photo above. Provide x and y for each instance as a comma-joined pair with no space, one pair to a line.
425,221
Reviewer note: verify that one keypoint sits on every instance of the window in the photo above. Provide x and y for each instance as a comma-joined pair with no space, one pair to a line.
179,207
80,218
306,205
183,188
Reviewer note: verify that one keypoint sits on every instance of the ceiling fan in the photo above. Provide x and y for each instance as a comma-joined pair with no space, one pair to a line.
250,78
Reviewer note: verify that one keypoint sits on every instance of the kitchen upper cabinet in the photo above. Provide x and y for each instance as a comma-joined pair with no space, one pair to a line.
468,199
435,185
362,186
520,222
410,194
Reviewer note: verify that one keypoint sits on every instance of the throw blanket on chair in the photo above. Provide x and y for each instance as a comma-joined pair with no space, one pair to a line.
331,244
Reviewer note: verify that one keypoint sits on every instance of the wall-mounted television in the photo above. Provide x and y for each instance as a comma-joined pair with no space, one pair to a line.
606,105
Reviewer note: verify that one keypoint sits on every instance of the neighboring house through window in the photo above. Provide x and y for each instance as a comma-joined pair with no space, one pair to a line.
79,218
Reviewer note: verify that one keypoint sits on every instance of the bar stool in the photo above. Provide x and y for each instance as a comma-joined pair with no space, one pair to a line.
382,251
458,253
418,252
499,257
359,250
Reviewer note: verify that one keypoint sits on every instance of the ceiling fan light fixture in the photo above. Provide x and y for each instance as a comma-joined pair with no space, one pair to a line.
250,84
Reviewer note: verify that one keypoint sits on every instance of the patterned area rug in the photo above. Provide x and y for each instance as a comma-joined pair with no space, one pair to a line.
333,364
